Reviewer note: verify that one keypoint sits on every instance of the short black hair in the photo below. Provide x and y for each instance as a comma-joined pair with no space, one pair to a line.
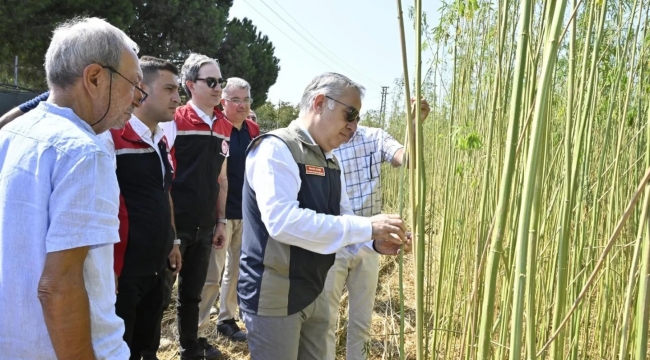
151,65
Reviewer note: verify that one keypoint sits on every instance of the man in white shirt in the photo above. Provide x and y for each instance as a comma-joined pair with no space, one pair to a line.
199,138
296,216
58,215
236,102
355,267
144,168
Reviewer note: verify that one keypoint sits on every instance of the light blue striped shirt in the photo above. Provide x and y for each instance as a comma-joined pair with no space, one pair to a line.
58,191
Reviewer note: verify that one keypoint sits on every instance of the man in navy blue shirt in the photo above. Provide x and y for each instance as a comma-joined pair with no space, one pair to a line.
236,103
22,108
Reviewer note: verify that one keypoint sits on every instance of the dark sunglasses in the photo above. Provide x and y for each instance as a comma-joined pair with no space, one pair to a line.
353,113
144,94
213,82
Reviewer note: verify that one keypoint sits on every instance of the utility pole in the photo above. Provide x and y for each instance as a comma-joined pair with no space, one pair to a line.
382,111
16,72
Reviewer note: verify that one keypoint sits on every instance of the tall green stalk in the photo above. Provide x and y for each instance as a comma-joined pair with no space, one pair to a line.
487,312
410,155
643,297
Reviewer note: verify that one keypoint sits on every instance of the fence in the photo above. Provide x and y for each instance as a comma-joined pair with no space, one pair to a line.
11,97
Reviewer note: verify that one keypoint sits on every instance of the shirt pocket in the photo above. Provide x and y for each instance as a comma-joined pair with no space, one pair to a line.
372,166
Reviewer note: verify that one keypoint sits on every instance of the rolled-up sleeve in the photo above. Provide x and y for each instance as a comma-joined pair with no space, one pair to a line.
273,174
389,145
84,203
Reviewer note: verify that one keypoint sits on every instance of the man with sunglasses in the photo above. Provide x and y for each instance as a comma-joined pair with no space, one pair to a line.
296,216
236,102
60,200
357,267
199,138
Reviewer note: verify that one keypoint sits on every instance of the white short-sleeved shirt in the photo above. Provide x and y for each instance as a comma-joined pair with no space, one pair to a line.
59,191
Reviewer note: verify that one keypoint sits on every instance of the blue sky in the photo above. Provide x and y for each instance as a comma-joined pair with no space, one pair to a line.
358,38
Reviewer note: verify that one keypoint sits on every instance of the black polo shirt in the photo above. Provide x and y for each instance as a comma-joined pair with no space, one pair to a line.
239,140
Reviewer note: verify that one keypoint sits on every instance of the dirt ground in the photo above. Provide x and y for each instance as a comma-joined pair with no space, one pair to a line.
385,324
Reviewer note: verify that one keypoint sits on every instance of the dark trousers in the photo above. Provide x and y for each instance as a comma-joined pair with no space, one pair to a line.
196,246
149,353
139,303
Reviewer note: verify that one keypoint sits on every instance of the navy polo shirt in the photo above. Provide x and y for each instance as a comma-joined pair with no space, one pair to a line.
239,140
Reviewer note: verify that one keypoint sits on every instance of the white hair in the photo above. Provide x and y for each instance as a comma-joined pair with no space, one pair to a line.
237,83
191,67
80,42
329,84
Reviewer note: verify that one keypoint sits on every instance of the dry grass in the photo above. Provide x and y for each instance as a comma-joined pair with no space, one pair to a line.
385,322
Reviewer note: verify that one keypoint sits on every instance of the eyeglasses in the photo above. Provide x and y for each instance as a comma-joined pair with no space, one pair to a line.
238,101
144,94
213,82
353,113
253,118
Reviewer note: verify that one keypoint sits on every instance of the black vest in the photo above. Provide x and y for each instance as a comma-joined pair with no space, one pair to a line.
146,196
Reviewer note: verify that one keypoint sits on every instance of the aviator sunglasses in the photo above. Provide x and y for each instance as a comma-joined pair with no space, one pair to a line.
352,114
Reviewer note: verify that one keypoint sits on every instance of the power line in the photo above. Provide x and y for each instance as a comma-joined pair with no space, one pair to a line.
341,62
310,34
289,37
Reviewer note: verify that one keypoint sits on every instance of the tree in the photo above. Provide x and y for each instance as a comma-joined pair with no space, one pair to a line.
169,29
26,29
270,116
248,54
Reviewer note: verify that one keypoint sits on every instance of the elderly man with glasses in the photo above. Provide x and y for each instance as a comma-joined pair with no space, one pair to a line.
60,200
236,102
296,216
199,138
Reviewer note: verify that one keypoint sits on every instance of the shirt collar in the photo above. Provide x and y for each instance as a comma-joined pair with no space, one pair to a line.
143,130
328,155
68,113
202,115
244,127
359,132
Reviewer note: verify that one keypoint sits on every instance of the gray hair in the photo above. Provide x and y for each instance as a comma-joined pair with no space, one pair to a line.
191,67
237,83
329,84
80,42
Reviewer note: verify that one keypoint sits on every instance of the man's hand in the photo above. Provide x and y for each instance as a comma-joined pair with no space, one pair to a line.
219,237
389,228
389,248
424,109
175,259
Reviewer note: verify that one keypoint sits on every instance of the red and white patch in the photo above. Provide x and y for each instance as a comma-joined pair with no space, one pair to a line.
171,161
224,147
314,170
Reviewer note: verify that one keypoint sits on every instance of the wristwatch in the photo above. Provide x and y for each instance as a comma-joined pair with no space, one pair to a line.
177,241
223,221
